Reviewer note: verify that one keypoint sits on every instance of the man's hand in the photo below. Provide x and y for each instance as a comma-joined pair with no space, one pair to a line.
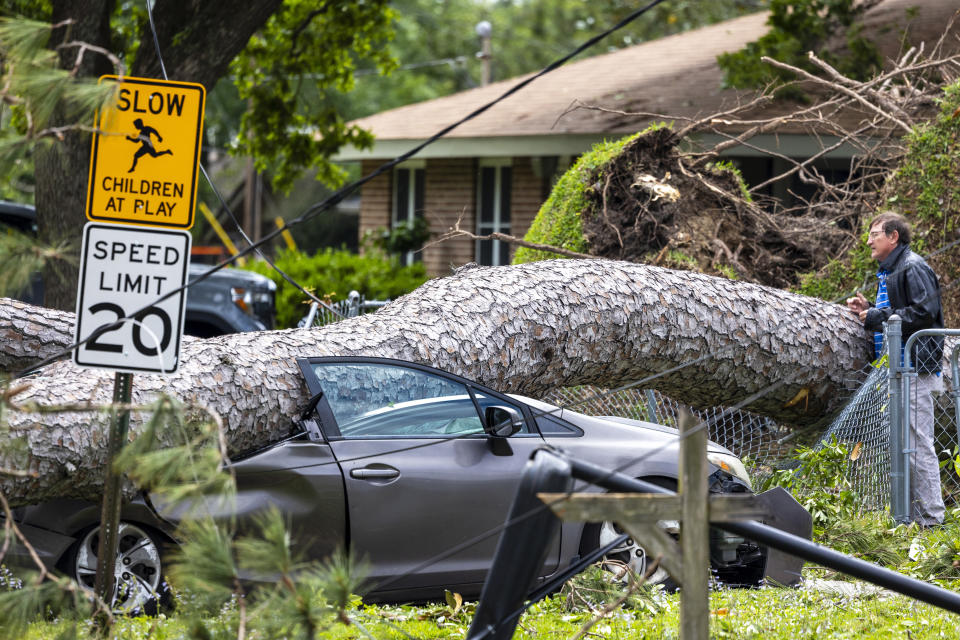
858,305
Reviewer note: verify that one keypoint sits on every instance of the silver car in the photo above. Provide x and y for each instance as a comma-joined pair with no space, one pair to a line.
395,461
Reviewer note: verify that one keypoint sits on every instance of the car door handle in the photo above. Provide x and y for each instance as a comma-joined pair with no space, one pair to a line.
374,474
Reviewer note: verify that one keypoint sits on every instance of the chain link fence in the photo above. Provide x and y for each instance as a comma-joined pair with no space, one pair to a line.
760,442
328,313
863,427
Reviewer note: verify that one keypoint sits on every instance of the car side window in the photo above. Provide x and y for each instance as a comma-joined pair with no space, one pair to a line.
384,400
552,426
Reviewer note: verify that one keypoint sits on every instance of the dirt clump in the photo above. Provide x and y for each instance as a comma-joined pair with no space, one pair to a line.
653,204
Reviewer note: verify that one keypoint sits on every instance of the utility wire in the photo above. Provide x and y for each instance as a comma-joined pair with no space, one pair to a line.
342,193
223,203
339,195
347,190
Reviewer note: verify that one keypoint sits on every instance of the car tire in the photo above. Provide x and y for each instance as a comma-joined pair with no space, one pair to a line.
140,587
629,556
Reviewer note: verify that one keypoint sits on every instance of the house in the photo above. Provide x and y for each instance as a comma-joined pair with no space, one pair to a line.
493,172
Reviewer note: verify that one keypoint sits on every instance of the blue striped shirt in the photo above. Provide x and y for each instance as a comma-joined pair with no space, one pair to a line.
883,302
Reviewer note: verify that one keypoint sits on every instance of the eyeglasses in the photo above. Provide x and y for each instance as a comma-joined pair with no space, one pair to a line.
877,234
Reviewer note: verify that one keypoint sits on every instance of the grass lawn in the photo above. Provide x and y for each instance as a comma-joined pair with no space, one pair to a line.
769,613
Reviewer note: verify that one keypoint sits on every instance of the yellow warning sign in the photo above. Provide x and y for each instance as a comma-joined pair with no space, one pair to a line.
145,154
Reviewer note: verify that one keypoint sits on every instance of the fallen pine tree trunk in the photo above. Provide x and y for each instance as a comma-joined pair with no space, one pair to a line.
524,329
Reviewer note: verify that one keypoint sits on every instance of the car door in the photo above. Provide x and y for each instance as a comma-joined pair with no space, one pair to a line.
427,490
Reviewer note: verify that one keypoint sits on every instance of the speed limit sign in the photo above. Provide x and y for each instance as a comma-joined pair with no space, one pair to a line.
125,272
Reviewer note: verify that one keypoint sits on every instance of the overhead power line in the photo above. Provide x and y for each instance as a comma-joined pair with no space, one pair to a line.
345,191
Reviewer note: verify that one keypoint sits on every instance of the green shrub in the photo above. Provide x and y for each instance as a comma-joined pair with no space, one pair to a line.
841,278
334,274
410,236
820,483
925,186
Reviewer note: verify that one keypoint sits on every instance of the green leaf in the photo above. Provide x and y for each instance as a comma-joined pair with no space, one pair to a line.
454,600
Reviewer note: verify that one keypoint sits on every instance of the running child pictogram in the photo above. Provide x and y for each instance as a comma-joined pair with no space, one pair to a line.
146,144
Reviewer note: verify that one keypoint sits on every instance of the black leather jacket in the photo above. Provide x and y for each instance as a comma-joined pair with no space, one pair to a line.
914,293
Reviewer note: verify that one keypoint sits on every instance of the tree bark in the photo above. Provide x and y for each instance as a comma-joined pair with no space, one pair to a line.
526,329
61,168
29,334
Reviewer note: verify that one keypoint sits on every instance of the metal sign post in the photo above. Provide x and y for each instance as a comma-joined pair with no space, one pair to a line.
105,580
144,163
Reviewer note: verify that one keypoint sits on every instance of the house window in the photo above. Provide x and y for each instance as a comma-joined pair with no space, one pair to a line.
408,186
493,210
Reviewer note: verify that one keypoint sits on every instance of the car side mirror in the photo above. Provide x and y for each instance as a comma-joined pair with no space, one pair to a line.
502,422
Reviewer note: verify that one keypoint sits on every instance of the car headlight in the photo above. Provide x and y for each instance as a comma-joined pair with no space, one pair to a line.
243,299
731,464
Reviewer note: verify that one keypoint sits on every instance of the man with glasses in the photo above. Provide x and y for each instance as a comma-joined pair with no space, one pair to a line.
908,287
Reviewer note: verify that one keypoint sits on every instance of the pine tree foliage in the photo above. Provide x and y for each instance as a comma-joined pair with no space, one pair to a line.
254,571
54,596
35,89
190,471
23,257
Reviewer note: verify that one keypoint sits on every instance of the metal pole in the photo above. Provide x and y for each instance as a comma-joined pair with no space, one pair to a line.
353,302
955,370
694,531
906,419
899,500
773,537
484,30
311,315
110,513
908,374
651,406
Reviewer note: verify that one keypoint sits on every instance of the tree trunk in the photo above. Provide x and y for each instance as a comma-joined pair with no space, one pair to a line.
208,35
29,334
199,39
526,329
61,168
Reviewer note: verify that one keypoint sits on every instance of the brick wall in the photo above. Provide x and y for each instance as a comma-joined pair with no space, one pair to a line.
450,194
375,200
525,198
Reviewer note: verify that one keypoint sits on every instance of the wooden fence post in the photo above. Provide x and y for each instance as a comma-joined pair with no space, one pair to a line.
694,531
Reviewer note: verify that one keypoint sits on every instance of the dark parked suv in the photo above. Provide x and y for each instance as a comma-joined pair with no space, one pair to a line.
229,301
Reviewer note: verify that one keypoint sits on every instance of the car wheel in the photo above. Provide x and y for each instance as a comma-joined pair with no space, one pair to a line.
629,557
139,585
